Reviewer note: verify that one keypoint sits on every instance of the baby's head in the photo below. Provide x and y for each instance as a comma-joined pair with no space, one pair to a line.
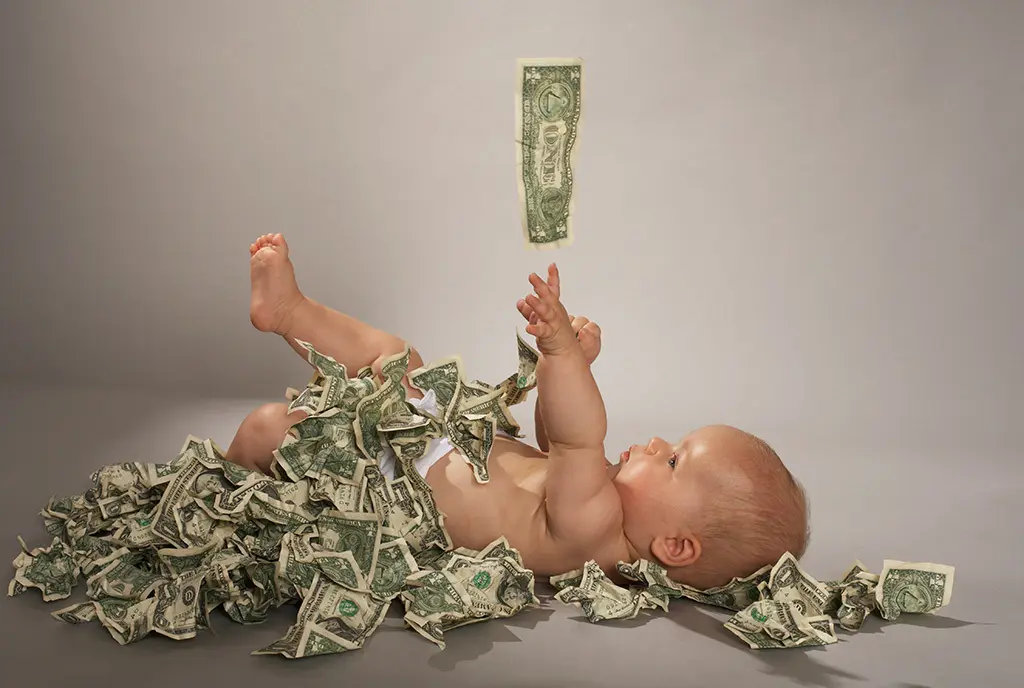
718,505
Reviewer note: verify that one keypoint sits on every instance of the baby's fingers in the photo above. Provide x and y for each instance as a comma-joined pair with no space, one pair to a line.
541,308
525,309
544,291
578,323
538,329
591,328
554,281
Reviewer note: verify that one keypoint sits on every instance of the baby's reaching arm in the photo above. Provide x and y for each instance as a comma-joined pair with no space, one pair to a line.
538,427
589,335
578,487
573,410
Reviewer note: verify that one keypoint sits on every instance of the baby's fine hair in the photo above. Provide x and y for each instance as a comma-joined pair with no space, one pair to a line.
743,532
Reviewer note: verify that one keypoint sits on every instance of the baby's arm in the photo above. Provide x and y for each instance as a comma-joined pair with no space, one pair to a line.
579,490
589,335
538,426
572,409
541,432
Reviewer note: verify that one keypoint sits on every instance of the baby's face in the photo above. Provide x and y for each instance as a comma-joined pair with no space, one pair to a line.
662,486
655,484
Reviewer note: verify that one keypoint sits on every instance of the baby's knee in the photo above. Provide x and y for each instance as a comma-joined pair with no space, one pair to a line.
272,421
261,433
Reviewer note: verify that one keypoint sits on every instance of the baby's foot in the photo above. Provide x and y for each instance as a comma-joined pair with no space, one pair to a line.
275,293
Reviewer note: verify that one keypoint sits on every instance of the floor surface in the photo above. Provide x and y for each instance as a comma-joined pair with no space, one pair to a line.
931,503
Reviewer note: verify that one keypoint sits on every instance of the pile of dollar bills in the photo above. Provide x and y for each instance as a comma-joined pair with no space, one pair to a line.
777,606
161,546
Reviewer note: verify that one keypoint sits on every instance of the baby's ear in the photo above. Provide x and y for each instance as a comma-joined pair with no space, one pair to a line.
677,551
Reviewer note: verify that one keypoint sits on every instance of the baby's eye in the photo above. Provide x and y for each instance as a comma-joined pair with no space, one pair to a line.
673,460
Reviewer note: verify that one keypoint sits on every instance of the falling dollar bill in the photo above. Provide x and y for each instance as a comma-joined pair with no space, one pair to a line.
548,110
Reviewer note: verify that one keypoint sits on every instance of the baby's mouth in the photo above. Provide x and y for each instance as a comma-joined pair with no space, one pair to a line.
624,456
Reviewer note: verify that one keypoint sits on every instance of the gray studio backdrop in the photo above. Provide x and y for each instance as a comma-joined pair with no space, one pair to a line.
802,218
795,216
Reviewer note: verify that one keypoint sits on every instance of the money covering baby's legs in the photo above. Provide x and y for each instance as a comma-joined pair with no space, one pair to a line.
278,306
347,340
260,433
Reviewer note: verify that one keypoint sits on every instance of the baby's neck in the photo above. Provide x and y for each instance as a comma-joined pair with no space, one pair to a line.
634,552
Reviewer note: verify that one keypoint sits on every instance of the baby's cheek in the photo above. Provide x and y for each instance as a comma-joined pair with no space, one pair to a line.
639,472
634,483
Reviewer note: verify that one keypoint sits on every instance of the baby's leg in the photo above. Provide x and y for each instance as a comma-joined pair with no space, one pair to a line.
278,306
260,434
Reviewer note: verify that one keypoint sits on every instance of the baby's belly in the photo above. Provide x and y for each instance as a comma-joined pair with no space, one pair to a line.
510,504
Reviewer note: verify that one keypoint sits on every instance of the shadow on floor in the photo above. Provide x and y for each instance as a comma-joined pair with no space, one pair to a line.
799,666
480,638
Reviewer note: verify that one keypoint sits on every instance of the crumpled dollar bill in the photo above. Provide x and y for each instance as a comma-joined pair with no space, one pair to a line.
779,606
163,545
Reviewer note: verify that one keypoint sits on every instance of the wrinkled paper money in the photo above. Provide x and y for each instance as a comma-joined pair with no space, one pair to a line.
161,546
780,606
548,112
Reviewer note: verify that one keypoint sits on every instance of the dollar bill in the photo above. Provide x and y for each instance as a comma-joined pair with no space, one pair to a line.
396,366
127,622
355,532
599,598
163,545
121,578
51,569
307,401
906,588
548,113
492,407
517,386
79,613
433,600
788,582
474,437
341,568
443,377
331,619
777,624
736,595
499,549
496,586
856,601
388,400
325,365
393,566
177,608
780,605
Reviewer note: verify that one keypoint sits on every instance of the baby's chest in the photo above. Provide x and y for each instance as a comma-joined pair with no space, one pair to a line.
510,502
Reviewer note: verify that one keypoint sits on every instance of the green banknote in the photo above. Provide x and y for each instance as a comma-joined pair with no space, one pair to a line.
163,545
548,111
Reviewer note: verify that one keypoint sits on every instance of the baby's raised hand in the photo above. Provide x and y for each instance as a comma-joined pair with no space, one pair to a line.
548,320
589,334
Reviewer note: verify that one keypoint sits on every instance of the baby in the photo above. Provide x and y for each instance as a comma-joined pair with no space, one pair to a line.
715,505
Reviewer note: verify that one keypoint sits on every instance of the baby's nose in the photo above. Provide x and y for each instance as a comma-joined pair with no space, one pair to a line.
655,444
